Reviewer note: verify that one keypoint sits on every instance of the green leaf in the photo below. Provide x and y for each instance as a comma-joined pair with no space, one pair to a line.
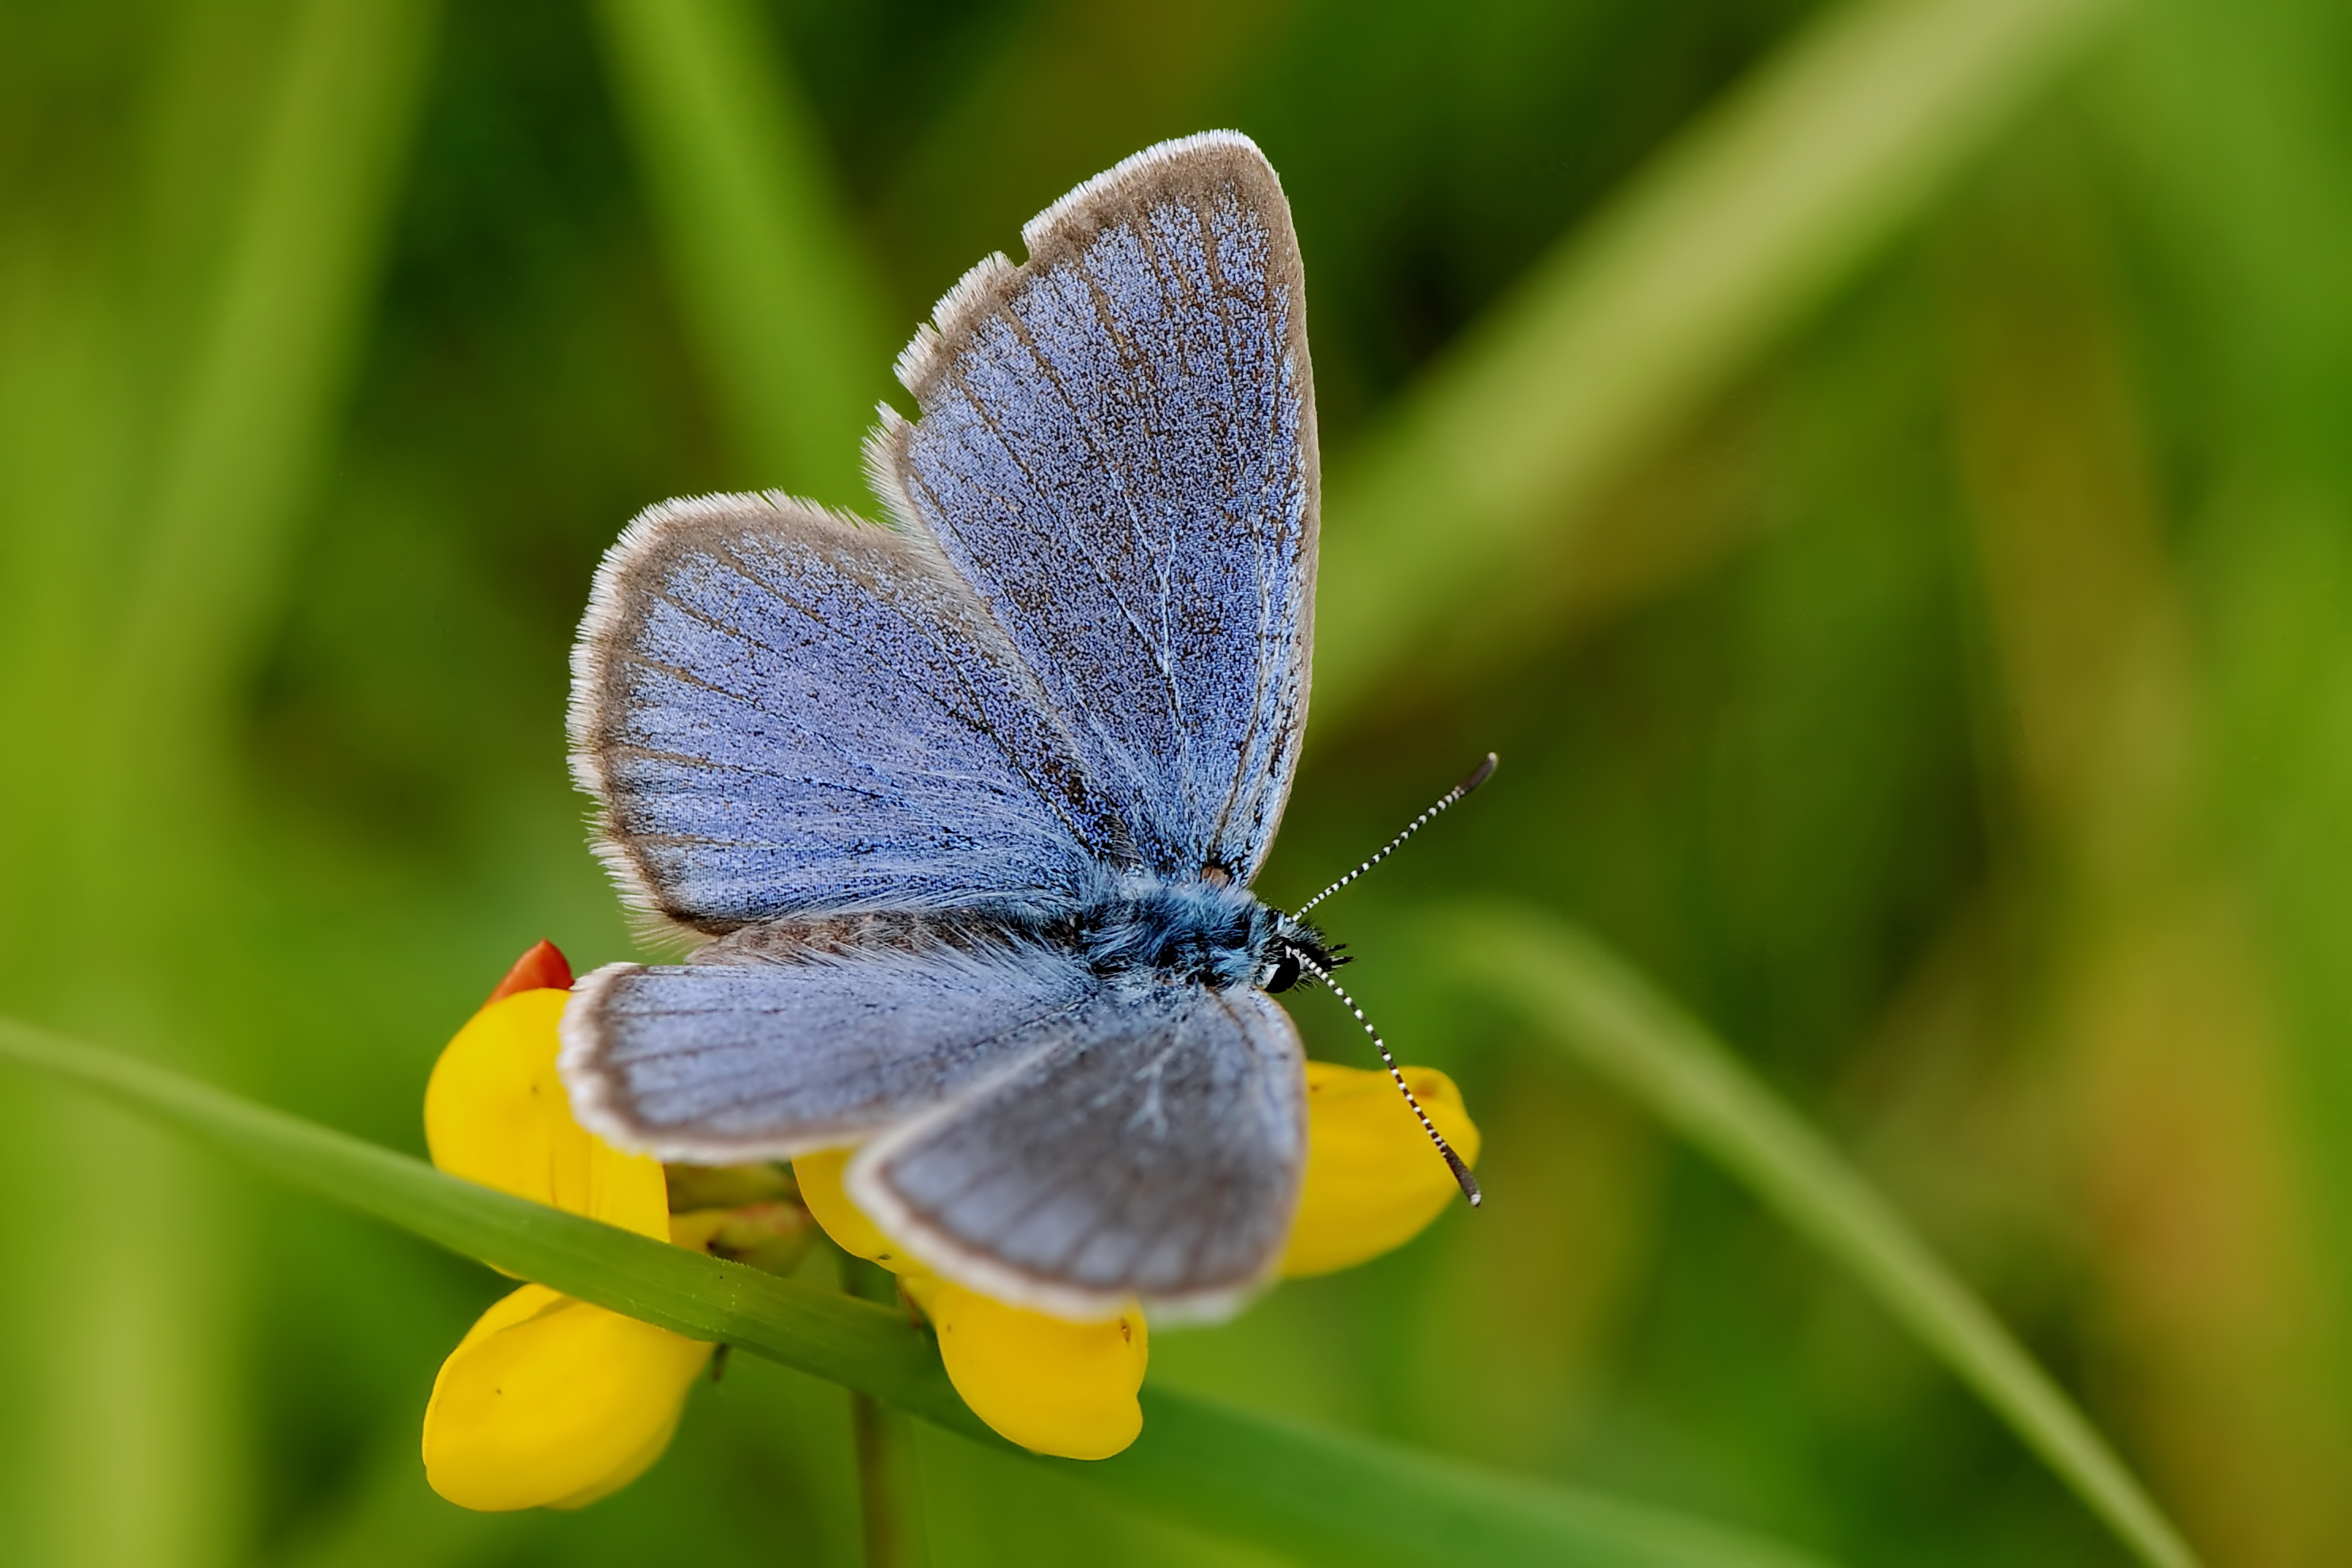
1727,238
1245,1475
1622,1027
773,282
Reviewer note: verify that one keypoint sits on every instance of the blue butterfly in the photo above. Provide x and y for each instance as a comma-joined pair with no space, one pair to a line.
970,805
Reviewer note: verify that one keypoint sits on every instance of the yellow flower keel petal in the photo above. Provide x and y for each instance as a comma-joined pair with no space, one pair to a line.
1373,1180
1047,1383
820,1179
495,1113
552,1403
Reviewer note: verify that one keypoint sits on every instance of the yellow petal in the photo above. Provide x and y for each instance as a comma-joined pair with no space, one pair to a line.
1373,1180
1049,1384
819,1176
552,1403
495,1113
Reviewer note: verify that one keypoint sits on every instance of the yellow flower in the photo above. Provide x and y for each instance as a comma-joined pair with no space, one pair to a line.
1069,1388
1047,1383
546,1402
1373,1180
554,1403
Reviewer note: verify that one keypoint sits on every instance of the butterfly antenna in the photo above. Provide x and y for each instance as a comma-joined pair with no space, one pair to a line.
1478,776
1306,962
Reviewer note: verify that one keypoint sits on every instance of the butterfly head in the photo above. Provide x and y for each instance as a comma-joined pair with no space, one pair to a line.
1297,949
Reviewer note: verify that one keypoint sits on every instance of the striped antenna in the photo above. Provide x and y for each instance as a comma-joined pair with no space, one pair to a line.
1454,1160
1478,776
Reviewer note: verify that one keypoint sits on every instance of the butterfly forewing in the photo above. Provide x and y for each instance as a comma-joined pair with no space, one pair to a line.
1117,449
782,712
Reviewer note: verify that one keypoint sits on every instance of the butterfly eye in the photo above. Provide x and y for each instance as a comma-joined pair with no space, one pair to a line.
1286,971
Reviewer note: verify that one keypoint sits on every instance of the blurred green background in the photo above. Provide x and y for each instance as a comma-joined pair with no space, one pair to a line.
1881,477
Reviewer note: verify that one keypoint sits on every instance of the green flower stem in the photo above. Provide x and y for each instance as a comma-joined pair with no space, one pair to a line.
1620,1026
889,1476
1245,1476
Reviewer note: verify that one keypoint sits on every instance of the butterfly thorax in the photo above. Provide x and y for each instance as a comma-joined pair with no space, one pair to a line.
1218,934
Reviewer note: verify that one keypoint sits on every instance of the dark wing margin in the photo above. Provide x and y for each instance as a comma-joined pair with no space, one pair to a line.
781,711
1117,449
790,1038
1154,1148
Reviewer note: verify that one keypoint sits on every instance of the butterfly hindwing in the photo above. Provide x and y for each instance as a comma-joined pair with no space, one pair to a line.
807,1034
1117,450
783,713
1152,1147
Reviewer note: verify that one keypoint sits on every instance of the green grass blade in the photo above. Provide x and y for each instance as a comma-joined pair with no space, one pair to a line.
773,287
1619,1026
1733,233
1296,1487
231,355
847,1341
1244,1475
253,416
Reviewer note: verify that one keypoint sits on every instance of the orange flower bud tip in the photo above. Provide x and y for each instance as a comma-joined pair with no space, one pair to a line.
543,968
